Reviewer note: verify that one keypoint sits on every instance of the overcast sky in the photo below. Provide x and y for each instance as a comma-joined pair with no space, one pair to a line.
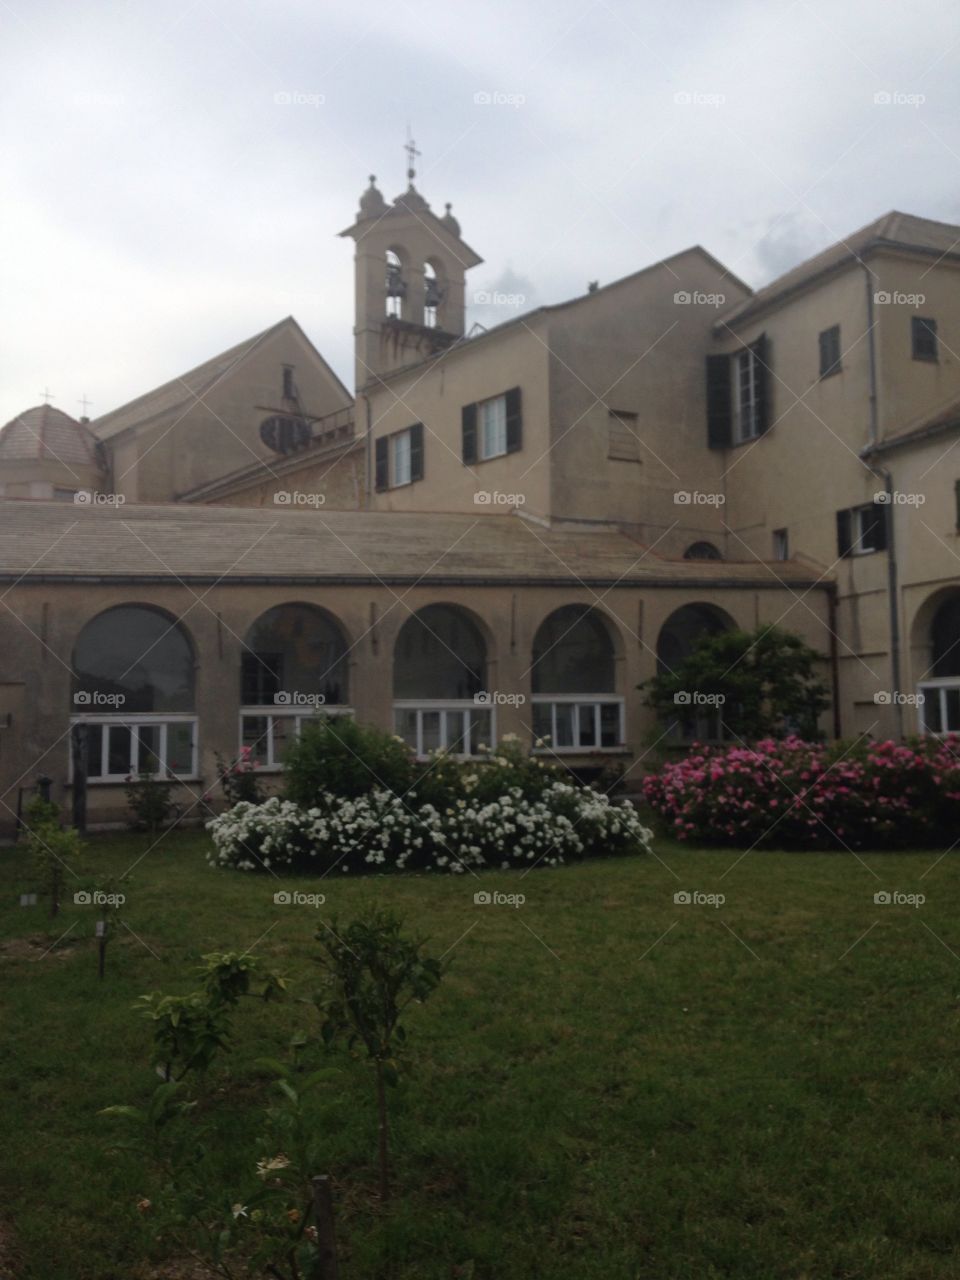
175,172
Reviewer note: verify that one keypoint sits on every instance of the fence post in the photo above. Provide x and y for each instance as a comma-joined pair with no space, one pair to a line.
323,1220
79,745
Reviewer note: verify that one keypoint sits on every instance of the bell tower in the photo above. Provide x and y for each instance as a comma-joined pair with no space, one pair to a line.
410,266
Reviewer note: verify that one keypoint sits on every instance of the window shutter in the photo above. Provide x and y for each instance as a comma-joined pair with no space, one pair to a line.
514,421
416,451
719,409
468,417
878,534
761,354
843,533
382,469
956,496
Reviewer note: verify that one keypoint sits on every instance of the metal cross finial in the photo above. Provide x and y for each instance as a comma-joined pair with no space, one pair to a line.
411,149
84,404
47,395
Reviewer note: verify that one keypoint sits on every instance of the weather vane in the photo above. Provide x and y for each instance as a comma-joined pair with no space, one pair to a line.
411,149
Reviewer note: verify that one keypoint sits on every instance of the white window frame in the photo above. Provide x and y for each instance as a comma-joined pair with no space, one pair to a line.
271,713
596,700
133,723
858,524
401,456
936,689
497,428
462,708
746,407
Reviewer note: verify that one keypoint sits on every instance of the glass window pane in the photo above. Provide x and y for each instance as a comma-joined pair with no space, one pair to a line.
118,750
952,717
493,425
431,731
148,752
294,649
457,732
284,732
180,748
542,726
479,731
439,654
585,720
401,457
94,750
573,653
132,659
610,724
564,724
932,720
254,736
405,724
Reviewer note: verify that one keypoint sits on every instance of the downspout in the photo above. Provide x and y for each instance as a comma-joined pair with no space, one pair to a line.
834,656
368,497
893,590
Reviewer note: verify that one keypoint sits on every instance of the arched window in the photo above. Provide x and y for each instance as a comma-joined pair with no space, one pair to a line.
294,662
133,695
702,551
939,652
439,682
573,674
396,286
678,638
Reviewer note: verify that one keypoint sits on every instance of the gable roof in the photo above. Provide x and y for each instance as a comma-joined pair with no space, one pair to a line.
181,392
46,434
894,230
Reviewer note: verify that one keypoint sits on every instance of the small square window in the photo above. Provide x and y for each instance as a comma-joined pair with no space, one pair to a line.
923,336
781,545
830,351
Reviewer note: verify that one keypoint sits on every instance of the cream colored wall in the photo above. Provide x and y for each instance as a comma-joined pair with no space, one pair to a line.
436,395
635,347
371,617
221,433
39,478
338,480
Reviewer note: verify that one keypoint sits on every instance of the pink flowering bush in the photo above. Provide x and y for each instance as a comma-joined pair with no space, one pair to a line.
804,795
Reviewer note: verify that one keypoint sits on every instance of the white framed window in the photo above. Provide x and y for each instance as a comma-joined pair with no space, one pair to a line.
461,728
578,721
493,427
400,472
746,395
940,708
268,731
121,747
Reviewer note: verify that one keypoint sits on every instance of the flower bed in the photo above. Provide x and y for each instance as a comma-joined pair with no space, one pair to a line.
384,832
796,794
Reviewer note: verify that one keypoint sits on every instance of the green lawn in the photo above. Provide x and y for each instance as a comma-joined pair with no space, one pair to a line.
607,1085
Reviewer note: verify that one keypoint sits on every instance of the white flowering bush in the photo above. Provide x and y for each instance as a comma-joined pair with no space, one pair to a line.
381,831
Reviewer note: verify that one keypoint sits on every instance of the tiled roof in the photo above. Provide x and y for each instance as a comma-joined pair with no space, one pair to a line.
942,421
44,540
893,229
47,434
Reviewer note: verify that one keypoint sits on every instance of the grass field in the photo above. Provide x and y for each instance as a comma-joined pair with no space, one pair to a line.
608,1085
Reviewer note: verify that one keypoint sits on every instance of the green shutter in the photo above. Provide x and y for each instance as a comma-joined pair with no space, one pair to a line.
468,419
382,468
843,533
761,354
416,451
514,421
719,406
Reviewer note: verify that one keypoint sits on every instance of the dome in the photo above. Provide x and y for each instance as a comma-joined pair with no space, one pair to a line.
46,434
372,203
411,201
450,222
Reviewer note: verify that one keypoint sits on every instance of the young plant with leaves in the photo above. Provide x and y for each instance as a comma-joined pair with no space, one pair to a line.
53,849
374,973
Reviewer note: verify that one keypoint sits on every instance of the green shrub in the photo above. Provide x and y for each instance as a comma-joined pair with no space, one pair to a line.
336,755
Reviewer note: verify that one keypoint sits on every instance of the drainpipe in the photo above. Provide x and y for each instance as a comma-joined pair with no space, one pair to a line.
368,497
834,657
893,590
